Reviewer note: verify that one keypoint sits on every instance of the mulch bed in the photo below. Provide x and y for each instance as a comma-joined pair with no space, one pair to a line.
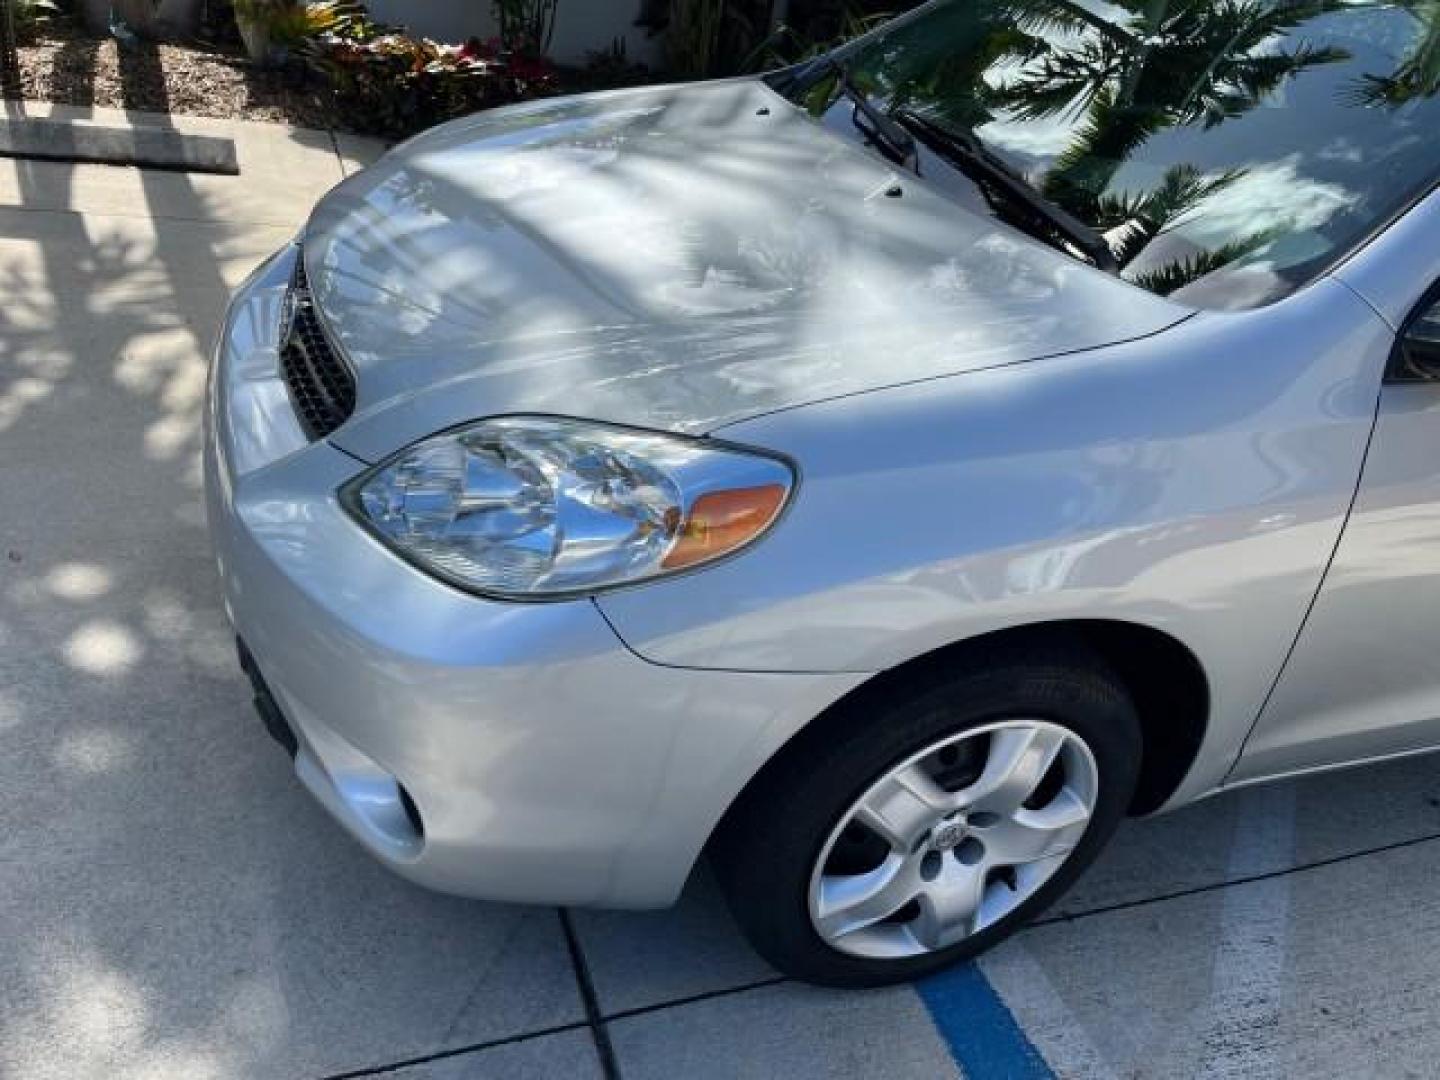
65,65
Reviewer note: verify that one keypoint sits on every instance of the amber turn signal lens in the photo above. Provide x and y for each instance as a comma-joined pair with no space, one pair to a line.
722,521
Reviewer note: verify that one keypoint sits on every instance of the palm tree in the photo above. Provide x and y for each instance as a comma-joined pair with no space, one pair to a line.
1130,221
942,74
1175,63
1418,75
1163,64
954,91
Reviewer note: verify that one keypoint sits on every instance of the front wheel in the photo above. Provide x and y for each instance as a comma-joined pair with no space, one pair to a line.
895,840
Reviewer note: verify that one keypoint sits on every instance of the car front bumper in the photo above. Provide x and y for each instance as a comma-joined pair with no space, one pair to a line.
544,760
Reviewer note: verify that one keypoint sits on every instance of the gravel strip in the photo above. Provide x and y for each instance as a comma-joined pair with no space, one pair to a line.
66,66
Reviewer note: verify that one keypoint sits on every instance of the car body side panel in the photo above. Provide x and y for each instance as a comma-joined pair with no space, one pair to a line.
1195,482
1365,678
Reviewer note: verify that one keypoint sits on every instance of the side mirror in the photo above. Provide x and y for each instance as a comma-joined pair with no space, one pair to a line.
1419,359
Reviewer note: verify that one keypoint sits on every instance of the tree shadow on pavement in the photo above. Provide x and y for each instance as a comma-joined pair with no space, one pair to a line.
173,902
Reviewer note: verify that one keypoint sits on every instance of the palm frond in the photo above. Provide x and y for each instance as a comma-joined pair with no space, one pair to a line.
1108,136
1138,217
1418,74
1049,17
1173,276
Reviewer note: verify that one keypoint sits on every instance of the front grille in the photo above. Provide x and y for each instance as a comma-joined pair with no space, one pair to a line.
321,384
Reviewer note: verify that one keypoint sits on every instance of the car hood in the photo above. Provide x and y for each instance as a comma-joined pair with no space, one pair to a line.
676,258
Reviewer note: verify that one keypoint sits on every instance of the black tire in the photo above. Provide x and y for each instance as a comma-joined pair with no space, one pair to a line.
765,851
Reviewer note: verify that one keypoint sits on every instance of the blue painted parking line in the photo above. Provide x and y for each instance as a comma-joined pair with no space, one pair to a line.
980,1031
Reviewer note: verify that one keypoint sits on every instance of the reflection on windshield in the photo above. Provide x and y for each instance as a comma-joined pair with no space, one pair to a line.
1227,150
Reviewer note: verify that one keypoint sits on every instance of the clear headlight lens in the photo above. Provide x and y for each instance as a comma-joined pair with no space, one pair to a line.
534,507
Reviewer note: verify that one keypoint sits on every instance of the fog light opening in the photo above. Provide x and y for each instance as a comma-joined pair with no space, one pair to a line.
412,812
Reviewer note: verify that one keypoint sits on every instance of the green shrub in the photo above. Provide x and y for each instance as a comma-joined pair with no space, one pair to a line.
387,83
291,24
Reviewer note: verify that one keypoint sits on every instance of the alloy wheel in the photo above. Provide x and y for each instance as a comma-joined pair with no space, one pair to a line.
953,839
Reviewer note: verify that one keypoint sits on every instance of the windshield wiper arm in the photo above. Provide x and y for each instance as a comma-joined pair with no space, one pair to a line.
897,143
966,152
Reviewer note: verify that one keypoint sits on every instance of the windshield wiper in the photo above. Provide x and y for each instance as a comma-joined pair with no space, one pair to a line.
882,130
966,153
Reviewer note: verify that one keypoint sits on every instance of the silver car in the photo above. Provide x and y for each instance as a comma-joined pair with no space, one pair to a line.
882,476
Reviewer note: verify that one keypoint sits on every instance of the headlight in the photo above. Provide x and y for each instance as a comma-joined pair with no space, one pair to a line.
539,507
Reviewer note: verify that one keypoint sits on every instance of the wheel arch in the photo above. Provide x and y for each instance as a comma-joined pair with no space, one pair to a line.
1163,676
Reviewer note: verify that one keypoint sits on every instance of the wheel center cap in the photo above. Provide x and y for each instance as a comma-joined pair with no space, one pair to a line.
947,834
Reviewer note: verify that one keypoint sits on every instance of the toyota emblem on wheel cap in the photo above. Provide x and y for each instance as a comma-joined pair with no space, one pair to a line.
947,834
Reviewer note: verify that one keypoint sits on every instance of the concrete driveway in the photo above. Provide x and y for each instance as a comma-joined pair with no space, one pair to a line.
173,905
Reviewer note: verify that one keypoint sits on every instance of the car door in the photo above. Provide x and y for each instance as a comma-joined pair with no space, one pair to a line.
1363,680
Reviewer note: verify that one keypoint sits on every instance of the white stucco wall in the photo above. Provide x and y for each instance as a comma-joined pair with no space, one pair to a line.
581,26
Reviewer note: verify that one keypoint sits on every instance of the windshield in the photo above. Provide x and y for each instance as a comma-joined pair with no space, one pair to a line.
1227,151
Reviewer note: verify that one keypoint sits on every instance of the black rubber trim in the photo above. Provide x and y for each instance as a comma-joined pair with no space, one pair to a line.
265,704
1398,370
